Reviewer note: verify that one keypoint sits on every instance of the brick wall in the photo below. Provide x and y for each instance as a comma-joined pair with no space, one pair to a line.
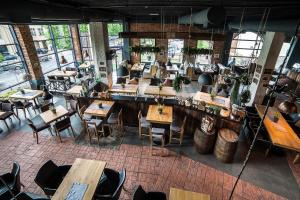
30,55
76,42
163,43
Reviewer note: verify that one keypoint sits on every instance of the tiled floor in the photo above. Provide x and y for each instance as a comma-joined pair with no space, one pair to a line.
152,172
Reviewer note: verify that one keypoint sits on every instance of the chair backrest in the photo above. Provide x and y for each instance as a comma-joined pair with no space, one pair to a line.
16,174
60,78
73,104
139,194
31,124
46,107
122,177
51,78
68,97
45,174
81,111
121,80
120,117
7,107
62,124
206,88
140,115
18,103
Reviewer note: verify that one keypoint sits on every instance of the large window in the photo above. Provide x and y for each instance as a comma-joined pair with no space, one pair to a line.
285,47
85,42
12,64
204,59
245,48
115,43
147,57
175,50
54,46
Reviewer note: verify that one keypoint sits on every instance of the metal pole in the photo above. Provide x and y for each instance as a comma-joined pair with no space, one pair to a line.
263,118
12,194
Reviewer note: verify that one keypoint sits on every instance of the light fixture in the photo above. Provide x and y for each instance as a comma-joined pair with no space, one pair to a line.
153,14
205,79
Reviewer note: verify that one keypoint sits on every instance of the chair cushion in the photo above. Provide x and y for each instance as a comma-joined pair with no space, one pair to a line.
144,122
113,118
159,131
6,115
41,126
91,122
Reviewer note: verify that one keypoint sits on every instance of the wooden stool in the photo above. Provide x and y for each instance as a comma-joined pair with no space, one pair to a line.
226,145
204,141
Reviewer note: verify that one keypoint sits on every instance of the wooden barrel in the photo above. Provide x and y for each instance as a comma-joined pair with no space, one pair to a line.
204,142
226,145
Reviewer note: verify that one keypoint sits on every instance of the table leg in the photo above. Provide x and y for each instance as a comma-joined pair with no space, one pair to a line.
297,157
268,150
36,106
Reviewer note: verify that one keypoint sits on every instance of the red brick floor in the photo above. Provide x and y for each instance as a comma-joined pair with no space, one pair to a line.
152,172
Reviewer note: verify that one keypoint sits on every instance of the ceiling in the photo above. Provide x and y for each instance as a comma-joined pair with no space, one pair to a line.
142,10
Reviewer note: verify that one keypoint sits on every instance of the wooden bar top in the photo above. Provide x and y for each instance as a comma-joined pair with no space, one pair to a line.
129,88
165,91
280,132
75,90
82,171
29,94
94,109
217,101
50,116
179,194
153,115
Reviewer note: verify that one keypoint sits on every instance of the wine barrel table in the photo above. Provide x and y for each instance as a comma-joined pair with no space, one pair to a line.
204,141
226,145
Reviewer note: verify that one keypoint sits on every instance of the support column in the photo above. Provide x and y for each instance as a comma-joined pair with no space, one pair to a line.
76,42
293,57
265,65
100,48
30,55
226,48
163,55
135,58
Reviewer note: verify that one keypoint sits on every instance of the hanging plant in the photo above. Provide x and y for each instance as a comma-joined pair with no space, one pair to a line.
177,83
245,96
195,51
144,49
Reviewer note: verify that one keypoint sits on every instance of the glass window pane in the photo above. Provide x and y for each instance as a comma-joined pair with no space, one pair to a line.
84,30
5,36
11,74
203,59
244,52
43,47
85,42
240,61
48,63
174,50
65,57
60,31
205,44
63,44
147,42
87,54
9,54
147,57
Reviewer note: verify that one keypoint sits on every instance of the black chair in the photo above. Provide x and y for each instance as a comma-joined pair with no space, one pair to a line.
140,194
37,127
121,80
110,185
50,176
12,180
23,106
73,108
68,98
63,125
46,107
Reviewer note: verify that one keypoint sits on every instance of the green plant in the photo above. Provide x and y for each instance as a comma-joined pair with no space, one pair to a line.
6,95
195,51
1,57
144,49
234,97
245,96
177,83
113,29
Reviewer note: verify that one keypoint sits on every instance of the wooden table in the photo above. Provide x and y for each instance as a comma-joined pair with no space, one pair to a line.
172,69
217,101
128,89
75,90
64,74
82,171
49,116
153,115
94,109
280,132
29,95
165,91
178,194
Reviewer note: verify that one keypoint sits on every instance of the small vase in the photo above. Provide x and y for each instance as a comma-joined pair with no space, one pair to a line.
275,119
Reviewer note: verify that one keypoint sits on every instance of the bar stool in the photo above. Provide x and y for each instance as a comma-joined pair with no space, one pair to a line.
115,119
143,123
177,132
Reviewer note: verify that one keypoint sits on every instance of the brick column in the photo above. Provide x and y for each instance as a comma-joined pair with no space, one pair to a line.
30,55
135,58
76,42
217,53
163,44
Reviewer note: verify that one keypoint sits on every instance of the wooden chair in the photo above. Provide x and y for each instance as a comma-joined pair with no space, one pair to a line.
115,119
82,115
37,127
24,106
46,107
158,134
143,123
94,127
68,98
177,132
153,70
63,125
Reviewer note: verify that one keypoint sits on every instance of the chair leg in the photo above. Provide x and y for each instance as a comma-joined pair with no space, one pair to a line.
6,124
58,135
296,158
50,130
73,131
24,112
37,137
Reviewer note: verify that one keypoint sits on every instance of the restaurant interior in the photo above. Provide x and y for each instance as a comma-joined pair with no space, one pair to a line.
149,100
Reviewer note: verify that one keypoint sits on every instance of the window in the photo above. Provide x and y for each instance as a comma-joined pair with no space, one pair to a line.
54,46
33,33
12,64
204,59
85,42
174,50
245,48
147,57
115,42
285,47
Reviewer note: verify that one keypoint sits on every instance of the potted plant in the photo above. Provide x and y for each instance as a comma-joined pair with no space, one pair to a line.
213,95
160,86
100,105
276,117
123,85
53,109
245,97
160,109
177,83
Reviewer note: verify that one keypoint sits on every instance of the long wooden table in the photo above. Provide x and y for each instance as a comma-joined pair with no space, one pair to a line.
75,90
165,91
217,101
128,89
179,194
280,132
153,115
28,95
94,109
50,116
82,171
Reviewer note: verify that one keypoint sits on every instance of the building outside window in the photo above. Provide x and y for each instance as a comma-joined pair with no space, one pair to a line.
147,57
204,59
12,63
245,48
115,43
85,42
54,46
175,50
